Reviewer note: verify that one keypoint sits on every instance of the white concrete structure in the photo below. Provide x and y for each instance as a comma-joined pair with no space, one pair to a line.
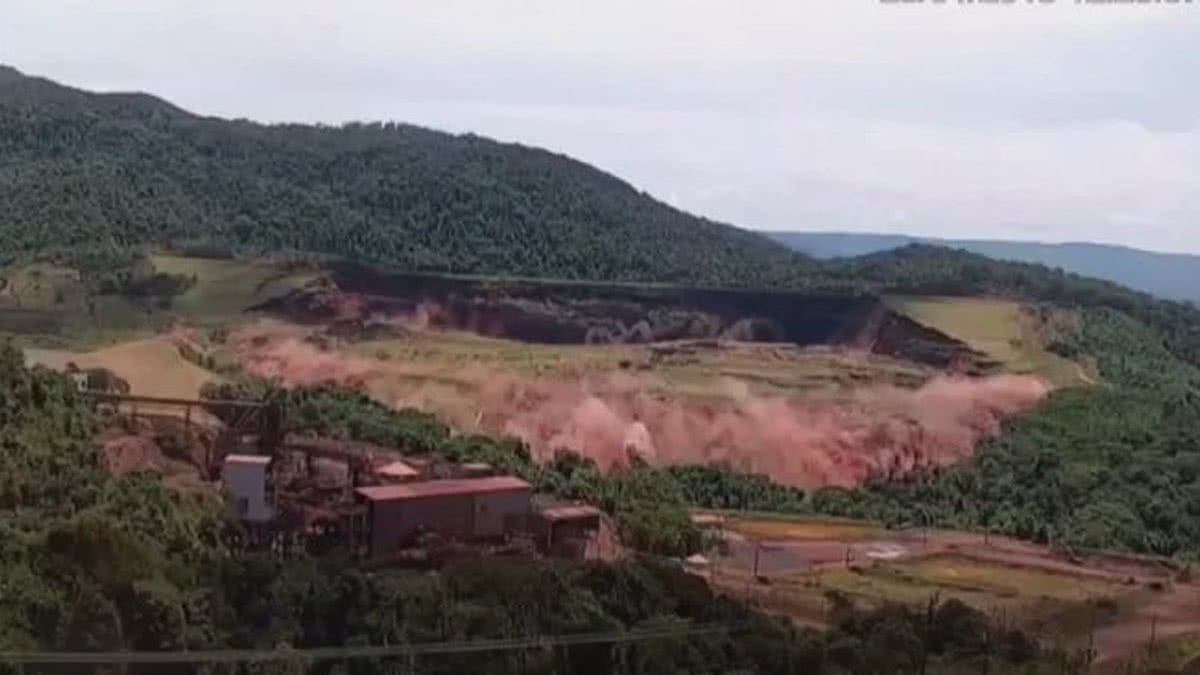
246,477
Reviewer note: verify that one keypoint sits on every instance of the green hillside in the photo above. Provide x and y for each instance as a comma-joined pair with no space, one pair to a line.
113,172
930,270
1005,330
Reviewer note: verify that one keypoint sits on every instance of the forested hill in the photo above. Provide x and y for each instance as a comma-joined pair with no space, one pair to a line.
116,173
86,170
919,269
1168,275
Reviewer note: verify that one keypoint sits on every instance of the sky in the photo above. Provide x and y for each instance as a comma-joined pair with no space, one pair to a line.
1050,120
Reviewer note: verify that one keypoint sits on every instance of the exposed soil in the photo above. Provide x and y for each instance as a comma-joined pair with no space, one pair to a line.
128,453
358,302
160,444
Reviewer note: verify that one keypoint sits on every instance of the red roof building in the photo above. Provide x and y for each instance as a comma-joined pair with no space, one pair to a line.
469,508
443,488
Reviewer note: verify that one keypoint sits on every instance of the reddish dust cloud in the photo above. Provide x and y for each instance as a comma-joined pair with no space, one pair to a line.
806,442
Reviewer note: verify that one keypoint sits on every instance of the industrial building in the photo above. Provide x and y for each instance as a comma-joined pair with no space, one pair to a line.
247,478
290,494
467,509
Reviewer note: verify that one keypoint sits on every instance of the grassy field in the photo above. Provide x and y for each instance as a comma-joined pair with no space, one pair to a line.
1027,596
693,369
1059,607
1001,329
48,306
804,560
1002,581
226,288
801,529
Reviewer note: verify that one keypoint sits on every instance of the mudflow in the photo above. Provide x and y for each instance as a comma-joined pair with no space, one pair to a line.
842,441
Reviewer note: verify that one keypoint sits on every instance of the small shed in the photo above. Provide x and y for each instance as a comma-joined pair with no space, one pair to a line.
565,524
247,479
475,469
708,520
465,508
81,380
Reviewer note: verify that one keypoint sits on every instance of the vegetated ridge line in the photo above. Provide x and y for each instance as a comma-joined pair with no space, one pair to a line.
376,651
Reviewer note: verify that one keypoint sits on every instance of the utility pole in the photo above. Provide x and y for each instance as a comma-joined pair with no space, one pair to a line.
1153,635
714,568
987,642
750,576
1091,650
791,664
927,635
723,548
757,551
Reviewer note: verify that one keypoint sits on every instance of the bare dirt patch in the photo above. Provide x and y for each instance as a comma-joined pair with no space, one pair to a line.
160,444
152,367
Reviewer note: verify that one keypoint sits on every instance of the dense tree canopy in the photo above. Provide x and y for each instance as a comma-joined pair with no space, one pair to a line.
932,270
86,172
1112,466
93,562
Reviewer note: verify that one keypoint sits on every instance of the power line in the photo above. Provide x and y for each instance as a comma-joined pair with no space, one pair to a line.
378,651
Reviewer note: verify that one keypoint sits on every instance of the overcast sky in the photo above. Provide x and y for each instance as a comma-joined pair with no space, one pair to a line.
1052,121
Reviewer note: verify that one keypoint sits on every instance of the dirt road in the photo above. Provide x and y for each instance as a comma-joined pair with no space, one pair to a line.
1152,604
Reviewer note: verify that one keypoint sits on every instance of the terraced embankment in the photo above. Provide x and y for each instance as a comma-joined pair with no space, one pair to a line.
581,313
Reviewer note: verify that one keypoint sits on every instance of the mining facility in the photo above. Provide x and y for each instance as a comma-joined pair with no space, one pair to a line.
290,493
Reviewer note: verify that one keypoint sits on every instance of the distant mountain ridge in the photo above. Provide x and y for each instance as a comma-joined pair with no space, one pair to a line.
1174,276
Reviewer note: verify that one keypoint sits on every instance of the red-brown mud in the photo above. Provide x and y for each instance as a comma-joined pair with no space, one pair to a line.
806,442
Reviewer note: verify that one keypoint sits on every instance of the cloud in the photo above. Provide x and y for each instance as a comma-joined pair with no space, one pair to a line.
1044,120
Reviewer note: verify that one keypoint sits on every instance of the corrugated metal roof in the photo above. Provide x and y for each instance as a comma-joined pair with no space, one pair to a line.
398,470
442,488
707,519
247,459
575,512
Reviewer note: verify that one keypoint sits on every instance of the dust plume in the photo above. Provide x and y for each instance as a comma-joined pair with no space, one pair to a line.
830,441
